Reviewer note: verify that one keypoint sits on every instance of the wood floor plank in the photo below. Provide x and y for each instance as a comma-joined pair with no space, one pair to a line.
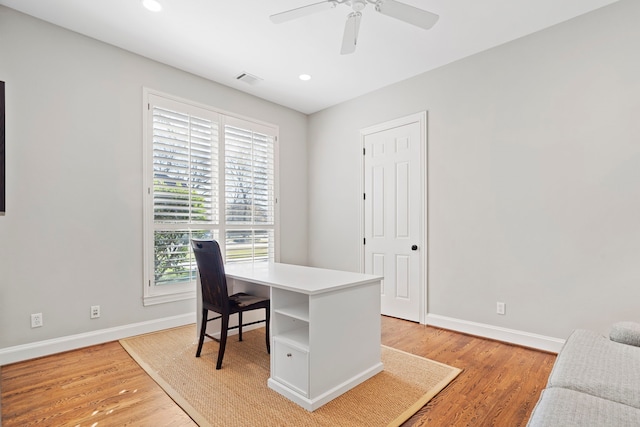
103,386
99,385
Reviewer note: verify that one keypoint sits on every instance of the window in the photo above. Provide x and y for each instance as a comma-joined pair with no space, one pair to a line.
208,175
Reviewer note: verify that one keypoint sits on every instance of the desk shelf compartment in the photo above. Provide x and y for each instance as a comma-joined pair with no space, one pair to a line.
290,319
293,304
291,329
297,336
298,311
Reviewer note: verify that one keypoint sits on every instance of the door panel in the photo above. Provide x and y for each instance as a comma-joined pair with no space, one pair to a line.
393,216
403,272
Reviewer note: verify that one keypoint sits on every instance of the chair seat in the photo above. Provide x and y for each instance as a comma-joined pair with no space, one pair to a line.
245,300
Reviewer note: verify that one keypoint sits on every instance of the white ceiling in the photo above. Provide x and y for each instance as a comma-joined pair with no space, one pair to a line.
220,39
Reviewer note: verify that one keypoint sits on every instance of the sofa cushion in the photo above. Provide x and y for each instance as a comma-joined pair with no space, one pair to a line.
626,333
593,364
559,407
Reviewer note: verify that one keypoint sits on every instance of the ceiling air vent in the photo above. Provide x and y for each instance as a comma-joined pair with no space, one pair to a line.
249,78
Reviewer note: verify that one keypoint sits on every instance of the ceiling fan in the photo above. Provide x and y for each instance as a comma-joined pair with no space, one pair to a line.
404,12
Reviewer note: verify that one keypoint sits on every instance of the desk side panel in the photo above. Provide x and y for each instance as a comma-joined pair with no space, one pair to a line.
344,336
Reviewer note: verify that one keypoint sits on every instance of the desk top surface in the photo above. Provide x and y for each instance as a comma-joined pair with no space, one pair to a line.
297,278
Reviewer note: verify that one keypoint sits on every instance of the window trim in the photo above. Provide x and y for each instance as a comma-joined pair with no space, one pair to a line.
176,292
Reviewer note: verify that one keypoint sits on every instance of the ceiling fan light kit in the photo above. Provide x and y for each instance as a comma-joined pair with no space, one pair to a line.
395,9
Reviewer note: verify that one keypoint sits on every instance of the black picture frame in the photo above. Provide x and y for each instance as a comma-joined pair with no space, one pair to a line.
2,153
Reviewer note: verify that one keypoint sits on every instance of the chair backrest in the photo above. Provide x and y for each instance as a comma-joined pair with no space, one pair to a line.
213,280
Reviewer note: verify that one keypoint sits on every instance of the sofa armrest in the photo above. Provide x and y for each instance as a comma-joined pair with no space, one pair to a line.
626,333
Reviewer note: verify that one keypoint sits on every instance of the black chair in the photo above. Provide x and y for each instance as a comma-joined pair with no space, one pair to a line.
215,297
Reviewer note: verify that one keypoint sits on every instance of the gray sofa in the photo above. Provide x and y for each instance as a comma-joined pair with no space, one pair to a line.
595,381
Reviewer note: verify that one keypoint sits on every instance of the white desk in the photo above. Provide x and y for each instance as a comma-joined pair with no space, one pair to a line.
325,328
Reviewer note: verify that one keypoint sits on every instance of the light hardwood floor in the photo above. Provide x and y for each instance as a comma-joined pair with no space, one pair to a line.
102,386
499,386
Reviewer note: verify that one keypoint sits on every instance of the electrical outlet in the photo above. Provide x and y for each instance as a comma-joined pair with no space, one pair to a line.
501,308
36,320
95,311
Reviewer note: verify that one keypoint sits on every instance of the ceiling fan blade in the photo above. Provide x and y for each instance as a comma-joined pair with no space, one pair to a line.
350,37
404,12
299,12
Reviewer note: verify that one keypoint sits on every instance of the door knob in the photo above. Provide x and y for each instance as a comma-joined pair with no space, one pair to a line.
414,247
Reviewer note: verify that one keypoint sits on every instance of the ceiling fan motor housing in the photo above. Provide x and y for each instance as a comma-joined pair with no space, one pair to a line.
358,5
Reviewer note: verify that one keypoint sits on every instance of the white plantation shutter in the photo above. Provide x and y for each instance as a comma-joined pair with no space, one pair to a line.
208,175
249,191
249,177
184,195
184,165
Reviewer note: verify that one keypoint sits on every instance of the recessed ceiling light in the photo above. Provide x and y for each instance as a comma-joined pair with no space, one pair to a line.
152,5
304,77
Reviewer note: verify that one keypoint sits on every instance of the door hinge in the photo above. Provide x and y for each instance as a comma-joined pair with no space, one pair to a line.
365,241
364,196
364,151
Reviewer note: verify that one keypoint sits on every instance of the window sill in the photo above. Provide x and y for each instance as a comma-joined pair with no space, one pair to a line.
162,299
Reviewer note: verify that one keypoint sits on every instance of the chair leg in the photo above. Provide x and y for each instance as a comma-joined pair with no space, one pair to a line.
223,339
240,326
267,318
203,330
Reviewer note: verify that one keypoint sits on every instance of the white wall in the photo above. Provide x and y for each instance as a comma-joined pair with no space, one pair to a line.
72,234
533,181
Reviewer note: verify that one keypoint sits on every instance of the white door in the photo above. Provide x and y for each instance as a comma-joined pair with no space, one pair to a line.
394,178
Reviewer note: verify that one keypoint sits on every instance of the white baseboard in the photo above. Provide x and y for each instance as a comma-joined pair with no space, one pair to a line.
22,352
44,348
512,336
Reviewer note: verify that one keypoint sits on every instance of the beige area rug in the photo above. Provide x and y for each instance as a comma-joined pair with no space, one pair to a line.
238,395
